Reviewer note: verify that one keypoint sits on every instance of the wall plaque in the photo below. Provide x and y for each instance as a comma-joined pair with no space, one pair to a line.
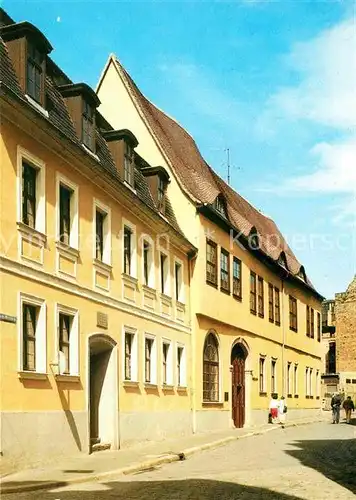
102,320
7,319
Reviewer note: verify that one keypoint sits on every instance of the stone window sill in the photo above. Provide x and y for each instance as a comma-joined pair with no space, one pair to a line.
33,233
148,385
66,249
130,383
32,375
296,396
67,378
130,279
264,394
182,388
102,265
167,387
213,404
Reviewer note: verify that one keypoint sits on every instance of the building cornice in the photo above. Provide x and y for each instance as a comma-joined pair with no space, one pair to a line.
47,279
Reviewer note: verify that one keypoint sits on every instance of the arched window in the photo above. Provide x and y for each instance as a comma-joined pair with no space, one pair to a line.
211,369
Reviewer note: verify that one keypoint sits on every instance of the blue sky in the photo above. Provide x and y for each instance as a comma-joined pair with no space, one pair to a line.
275,82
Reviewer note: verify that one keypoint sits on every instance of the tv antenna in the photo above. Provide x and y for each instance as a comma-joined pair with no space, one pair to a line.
228,165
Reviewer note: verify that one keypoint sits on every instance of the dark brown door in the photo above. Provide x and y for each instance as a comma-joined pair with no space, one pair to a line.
238,386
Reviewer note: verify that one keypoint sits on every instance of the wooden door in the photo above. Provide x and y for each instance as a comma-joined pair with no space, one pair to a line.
238,388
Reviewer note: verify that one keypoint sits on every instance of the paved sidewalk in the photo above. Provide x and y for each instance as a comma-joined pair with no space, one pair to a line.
108,464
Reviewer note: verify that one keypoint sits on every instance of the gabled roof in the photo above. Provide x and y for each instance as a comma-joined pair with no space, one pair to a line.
199,181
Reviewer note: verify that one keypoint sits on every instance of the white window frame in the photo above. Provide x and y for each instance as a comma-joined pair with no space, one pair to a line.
134,353
166,274
107,231
289,378
181,294
132,227
275,360
74,350
151,262
183,365
317,383
61,180
311,373
153,374
41,333
264,388
40,166
169,381
295,379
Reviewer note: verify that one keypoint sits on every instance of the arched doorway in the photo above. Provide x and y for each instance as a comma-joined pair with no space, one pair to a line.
103,395
238,389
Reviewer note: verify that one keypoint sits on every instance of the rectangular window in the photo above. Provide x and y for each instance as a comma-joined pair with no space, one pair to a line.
178,281
295,380
161,190
34,75
318,327
166,363
99,233
180,367
273,376
317,383
128,165
65,195
164,273
262,375
224,271
308,320
29,325
128,355
293,314
312,332
211,262
253,295
149,360
277,307
29,189
88,137
289,377
270,303
236,279
65,326
311,393
127,250
261,308
146,262
307,382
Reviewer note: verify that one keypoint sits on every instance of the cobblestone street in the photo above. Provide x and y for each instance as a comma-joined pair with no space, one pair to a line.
308,462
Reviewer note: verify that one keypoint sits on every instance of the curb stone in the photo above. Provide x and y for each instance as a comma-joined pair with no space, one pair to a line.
148,464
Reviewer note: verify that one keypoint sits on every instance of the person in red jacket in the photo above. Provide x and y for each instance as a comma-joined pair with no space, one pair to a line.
349,407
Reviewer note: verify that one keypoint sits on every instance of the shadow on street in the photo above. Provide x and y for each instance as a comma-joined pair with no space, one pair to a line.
190,489
336,459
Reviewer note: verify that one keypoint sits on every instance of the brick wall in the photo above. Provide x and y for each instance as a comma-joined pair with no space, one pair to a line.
345,312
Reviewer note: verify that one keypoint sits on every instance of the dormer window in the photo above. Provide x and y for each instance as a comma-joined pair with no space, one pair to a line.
35,73
219,205
162,185
253,239
128,165
88,126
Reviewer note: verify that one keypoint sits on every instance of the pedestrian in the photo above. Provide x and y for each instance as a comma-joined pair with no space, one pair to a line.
282,410
349,407
273,408
335,406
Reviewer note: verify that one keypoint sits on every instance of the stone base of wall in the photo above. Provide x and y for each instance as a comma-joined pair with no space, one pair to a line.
28,438
260,417
213,420
138,427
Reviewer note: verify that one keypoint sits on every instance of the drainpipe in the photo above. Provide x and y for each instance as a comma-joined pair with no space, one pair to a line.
283,338
191,257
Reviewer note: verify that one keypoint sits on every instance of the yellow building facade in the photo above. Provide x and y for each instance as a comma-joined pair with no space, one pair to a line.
141,297
255,314
95,313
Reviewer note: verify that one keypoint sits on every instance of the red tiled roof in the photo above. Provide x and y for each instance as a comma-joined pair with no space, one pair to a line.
199,180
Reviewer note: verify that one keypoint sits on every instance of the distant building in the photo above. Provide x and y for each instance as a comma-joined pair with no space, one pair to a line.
339,341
